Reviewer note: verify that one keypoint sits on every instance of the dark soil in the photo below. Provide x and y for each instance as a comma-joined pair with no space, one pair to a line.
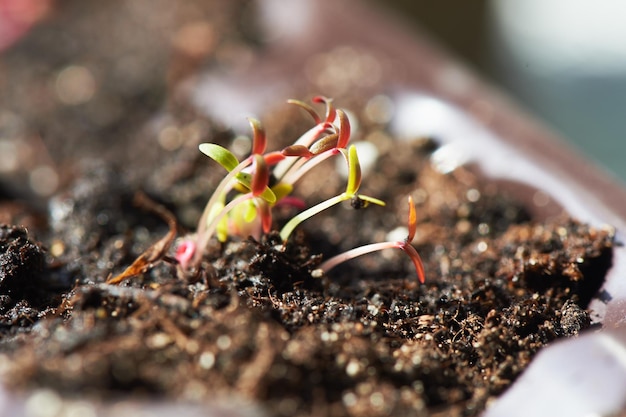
365,340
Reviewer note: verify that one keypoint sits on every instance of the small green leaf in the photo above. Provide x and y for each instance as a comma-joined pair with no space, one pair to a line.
282,190
245,180
219,154
268,195
222,226
249,212
354,172
372,200
222,230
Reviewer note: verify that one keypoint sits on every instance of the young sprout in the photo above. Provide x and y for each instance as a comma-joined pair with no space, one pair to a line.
330,109
352,187
264,180
404,245
242,202
216,209
257,183
318,152
229,161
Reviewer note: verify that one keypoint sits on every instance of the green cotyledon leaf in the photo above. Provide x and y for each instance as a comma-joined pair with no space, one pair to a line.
245,179
282,190
354,172
219,154
372,200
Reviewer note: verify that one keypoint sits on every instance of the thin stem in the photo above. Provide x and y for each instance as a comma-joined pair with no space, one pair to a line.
356,252
310,212
223,187
307,108
373,247
307,140
415,257
296,165
303,166
311,135
203,240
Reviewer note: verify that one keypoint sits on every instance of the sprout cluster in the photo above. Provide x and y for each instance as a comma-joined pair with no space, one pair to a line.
242,202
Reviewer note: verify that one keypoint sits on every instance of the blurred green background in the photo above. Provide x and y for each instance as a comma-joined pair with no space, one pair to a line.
563,60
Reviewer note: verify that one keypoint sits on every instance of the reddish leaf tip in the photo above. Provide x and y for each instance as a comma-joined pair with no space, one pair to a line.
260,177
259,139
331,112
344,129
273,158
266,217
412,221
417,261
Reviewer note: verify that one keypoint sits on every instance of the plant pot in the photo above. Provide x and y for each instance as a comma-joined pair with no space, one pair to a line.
476,126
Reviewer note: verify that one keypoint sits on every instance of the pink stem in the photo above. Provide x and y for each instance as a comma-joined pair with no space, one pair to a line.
300,168
355,253
307,140
373,247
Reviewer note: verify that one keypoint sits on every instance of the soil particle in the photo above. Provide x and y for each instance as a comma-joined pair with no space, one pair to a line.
26,290
573,319
21,263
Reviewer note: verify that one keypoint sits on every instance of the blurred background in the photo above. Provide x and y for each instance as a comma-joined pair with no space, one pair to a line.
563,60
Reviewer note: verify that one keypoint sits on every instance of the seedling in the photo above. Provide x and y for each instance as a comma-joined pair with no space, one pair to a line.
289,165
354,182
404,245
207,224
263,180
